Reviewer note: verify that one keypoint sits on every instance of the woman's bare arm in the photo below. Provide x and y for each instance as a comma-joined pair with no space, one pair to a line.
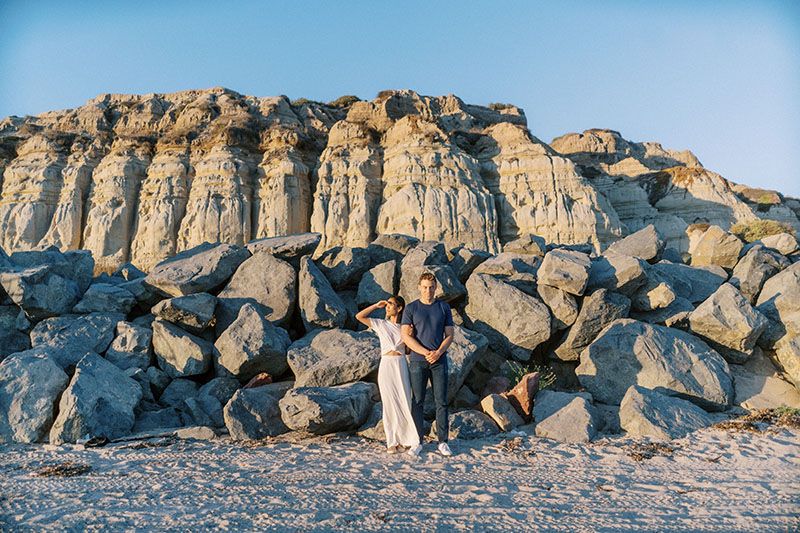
363,315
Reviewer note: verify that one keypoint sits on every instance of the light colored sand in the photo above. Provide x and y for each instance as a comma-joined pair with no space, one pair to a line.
715,481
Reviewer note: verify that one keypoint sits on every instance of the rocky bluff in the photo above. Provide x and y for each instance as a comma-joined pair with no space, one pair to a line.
137,179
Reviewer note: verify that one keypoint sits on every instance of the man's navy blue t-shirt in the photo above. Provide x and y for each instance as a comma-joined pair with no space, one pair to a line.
429,322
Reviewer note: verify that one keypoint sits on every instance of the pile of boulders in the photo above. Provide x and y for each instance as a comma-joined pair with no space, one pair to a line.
260,340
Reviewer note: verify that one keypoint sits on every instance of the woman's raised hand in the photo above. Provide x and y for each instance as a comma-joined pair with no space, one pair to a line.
382,303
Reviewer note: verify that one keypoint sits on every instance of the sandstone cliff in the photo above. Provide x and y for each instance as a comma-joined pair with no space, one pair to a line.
139,178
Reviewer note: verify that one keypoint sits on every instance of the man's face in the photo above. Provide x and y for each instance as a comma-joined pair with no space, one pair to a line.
427,288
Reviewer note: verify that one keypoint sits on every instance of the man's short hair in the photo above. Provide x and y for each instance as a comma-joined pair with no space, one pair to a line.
427,276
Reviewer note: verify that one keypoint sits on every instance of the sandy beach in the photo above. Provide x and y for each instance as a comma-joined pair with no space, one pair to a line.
711,480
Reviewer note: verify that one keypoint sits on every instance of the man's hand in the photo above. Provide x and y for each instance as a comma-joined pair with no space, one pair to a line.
432,356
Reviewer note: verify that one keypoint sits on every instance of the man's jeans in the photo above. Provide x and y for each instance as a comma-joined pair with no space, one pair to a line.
420,372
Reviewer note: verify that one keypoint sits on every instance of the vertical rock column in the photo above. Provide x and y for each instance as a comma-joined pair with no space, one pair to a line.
219,207
283,192
115,191
433,190
31,188
66,226
348,193
162,205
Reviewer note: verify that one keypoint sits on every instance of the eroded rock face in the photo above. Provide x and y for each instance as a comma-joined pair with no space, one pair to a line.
141,177
538,191
433,189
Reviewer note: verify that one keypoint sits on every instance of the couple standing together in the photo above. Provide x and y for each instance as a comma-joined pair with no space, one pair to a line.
426,328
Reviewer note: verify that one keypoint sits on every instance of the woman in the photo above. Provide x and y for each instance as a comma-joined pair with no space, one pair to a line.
393,380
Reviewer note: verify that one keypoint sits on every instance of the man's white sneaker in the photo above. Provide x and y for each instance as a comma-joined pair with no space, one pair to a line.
444,449
414,450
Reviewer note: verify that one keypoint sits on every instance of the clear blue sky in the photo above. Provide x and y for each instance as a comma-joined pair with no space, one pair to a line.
721,78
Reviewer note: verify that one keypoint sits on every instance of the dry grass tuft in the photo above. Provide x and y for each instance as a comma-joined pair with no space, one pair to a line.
647,450
65,469
759,421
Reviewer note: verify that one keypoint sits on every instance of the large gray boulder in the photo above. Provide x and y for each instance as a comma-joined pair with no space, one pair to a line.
670,361
562,305
98,402
179,353
785,243
514,322
646,244
501,411
464,261
619,273
425,253
788,353
467,349
11,339
252,345
379,283
75,265
599,309
469,424
390,247
289,248
527,244
320,306
29,387
728,323
192,313
324,358
566,269
692,283
649,413
652,296
132,347
757,266
39,292
508,264
160,419
448,286
565,417
254,414
675,315
322,410
716,247
74,335
759,384
264,281
199,269
105,298
779,301
177,391
344,266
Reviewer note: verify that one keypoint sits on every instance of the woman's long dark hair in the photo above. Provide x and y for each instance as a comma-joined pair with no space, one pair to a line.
399,301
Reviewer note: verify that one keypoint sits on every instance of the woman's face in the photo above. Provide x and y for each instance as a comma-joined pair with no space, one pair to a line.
392,308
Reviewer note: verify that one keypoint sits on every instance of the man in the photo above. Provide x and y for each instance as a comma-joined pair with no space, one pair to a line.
427,330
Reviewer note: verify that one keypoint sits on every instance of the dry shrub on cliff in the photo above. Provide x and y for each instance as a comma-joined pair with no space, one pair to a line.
497,106
753,230
345,101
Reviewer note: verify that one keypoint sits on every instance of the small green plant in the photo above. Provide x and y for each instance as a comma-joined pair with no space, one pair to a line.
753,230
345,101
497,106
787,411
301,101
516,371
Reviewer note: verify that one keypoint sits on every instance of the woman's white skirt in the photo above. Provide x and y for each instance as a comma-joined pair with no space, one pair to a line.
395,386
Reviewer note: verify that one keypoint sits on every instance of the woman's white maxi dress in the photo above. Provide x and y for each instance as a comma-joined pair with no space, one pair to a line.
395,386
